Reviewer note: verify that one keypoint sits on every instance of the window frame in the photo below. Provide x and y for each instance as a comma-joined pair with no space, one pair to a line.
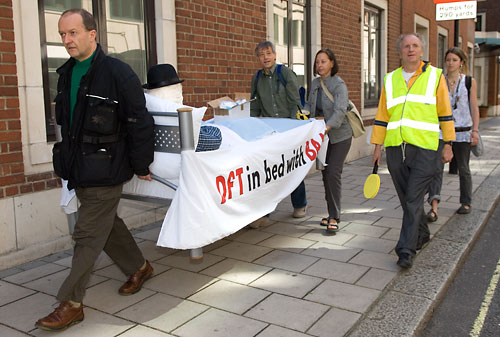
289,33
369,103
99,13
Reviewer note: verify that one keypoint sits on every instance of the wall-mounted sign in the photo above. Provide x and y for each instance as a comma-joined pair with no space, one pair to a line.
455,9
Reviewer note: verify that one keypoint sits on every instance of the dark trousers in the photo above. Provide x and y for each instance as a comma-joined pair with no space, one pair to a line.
411,179
461,151
437,181
298,196
99,229
332,174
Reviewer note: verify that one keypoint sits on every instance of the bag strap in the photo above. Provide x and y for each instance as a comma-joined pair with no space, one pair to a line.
280,75
330,96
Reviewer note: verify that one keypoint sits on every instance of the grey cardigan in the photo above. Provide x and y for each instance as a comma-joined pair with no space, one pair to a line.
334,112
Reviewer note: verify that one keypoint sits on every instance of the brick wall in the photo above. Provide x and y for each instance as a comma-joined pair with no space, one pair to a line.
13,181
341,32
215,44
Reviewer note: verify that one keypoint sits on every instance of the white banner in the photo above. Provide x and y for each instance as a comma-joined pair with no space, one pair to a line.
222,191
456,10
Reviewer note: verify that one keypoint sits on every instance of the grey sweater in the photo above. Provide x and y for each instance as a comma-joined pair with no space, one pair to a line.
334,111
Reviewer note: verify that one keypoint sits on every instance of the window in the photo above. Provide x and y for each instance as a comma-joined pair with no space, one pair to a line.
442,46
371,57
124,32
290,43
480,22
422,28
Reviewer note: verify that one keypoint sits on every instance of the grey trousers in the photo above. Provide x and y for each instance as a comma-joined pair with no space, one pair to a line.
332,174
411,179
99,229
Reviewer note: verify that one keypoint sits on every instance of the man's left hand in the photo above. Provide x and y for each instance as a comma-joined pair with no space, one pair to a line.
447,153
148,177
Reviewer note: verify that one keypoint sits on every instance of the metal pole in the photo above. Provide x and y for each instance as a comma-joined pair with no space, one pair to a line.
457,32
187,143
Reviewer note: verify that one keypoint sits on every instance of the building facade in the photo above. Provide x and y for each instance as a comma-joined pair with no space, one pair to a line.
487,62
211,43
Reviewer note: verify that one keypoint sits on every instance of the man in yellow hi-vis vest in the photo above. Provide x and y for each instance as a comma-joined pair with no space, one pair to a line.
414,106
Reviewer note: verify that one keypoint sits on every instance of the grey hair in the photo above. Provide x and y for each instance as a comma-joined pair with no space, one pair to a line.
264,45
403,36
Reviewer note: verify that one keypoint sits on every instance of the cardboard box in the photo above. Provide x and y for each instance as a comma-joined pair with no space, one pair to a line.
238,111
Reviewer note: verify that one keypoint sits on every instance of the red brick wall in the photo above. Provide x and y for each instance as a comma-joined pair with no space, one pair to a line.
13,181
341,32
11,156
215,46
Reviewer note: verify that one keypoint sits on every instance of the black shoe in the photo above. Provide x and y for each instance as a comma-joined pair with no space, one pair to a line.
405,260
464,209
422,241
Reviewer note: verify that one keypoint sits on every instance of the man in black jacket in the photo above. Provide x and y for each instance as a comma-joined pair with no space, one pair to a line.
107,137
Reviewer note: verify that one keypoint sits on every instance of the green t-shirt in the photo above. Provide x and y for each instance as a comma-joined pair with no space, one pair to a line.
79,70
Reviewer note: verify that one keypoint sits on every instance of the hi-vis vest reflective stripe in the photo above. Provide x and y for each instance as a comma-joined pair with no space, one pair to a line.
412,113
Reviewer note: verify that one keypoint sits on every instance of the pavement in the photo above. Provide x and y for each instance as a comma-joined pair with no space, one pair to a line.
289,278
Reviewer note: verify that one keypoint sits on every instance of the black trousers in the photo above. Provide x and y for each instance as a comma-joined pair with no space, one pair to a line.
99,229
411,178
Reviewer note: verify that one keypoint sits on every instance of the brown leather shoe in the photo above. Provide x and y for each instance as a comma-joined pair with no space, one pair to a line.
63,317
135,281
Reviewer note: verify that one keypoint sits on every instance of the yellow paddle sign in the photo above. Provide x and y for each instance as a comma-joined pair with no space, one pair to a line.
372,184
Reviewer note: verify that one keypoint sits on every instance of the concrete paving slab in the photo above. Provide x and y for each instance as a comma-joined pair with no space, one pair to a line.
8,332
321,235
241,251
105,297
338,271
287,229
35,273
287,243
115,273
276,331
178,282
23,314
181,260
376,279
143,331
288,312
287,261
95,324
332,252
371,244
11,292
366,230
229,296
251,236
343,295
162,312
218,323
287,283
376,260
335,323
50,284
236,271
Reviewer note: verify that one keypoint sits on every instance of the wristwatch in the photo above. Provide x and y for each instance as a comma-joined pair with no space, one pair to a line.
447,143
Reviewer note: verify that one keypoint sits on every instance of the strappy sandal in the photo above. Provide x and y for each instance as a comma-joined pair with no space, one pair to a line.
330,227
432,216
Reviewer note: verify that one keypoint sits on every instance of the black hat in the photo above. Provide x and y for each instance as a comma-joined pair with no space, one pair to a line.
161,75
